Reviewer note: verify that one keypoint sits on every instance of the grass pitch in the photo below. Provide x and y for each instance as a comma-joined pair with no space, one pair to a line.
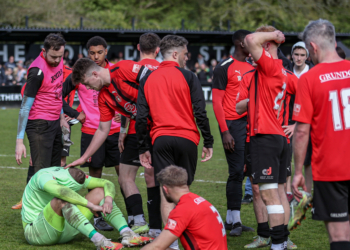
210,182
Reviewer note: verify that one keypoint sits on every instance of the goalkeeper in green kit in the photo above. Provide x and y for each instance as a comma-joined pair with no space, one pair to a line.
54,213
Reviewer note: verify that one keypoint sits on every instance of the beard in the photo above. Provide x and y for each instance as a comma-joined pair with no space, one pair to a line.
167,197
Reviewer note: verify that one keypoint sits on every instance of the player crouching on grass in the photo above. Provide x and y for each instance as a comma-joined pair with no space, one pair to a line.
54,213
194,220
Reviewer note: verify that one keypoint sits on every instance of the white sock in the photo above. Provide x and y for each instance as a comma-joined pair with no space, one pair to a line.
229,217
97,237
289,193
95,219
277,246
285,244
174,245
130,218
236,216
125,229
139,220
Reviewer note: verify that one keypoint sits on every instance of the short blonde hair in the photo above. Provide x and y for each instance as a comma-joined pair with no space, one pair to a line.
267,28
173,176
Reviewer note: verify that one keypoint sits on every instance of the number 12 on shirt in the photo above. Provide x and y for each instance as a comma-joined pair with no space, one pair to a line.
219,219
345,99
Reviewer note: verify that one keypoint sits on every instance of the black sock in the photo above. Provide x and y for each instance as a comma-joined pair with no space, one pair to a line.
277,234
135,203
264,230
128,209
153,206
286,233
30,173
340,245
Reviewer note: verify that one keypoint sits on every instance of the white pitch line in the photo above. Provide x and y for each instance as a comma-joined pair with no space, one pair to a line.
114,175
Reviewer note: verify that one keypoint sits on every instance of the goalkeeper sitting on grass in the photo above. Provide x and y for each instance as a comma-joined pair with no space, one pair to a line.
53,213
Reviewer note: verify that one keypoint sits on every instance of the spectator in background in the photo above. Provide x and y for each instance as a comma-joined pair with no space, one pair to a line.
120,56
289,57
190,63
200,59
11,63
80,55
28,63
21,72
340,52
9,78
203,73
2,76
224,57
212,66
196,68
66,57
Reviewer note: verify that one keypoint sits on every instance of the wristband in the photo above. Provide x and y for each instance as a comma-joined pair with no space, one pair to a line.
122,130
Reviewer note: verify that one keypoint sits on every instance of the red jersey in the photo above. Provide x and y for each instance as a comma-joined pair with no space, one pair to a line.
249,79
267,95
197,223
227,77
69,98
323,100
173,97
121,94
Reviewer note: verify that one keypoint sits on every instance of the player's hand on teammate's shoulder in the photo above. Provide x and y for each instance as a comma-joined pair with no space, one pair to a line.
279,36
207,153
146,159
78,162
20,150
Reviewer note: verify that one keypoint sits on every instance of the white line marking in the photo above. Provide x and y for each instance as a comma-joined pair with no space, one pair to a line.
114,175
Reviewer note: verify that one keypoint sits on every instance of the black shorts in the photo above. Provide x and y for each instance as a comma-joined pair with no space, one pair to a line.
290,156
331,201
247,160
307,161
172,150
65,149
130,155
269,156
235,159
45,142
107,155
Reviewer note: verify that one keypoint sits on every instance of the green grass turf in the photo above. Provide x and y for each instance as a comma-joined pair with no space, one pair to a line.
310,235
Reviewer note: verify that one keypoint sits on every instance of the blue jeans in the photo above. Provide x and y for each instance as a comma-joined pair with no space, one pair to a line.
248,187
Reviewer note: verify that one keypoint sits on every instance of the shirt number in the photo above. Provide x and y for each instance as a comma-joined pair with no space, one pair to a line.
345,98
219,220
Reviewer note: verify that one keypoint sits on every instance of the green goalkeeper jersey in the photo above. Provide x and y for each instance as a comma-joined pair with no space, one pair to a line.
61,185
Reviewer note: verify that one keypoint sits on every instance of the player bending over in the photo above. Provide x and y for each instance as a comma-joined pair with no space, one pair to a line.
194,220
54,213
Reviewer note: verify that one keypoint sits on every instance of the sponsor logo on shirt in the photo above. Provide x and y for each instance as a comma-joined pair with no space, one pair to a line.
267,171
296,109
284,72
130,108
199,200
172,224
57,75
136,68
335,76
